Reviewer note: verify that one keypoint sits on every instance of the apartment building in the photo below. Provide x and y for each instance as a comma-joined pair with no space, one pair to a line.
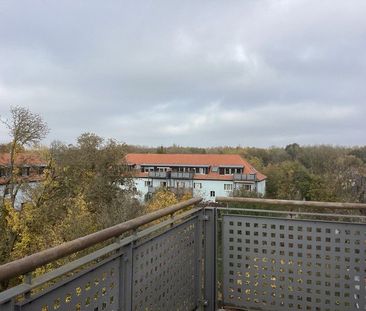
30,169
205,175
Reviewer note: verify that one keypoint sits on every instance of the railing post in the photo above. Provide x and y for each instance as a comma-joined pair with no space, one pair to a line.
8,306
126,275
210,260
126,278
199,260
28,280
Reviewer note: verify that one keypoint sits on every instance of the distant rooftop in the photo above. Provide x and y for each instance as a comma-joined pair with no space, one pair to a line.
219,160
24,158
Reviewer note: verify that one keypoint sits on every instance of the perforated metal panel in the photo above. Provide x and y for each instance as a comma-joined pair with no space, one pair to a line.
283,264
95,290
164,270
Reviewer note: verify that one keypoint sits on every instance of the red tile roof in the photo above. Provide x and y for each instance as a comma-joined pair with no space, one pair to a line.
23,159
30,159
195,159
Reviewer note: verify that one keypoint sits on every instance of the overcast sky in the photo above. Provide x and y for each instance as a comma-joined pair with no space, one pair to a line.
197,73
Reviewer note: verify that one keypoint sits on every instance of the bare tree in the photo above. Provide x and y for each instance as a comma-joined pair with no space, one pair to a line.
25,129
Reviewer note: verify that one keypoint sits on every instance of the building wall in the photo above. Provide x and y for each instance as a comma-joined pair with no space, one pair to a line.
212,185
140,187
261,187
22,195
218,186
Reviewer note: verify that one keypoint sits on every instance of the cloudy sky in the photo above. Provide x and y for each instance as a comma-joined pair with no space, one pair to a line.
197,73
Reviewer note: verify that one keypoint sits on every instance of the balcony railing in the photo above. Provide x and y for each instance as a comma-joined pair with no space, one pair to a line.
158,174
182,175
275,256
244,177
178,175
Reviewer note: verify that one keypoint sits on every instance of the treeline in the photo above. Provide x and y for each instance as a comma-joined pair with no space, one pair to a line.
317,173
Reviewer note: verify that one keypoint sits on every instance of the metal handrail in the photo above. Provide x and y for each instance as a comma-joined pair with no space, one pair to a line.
29,263
26,287
331,205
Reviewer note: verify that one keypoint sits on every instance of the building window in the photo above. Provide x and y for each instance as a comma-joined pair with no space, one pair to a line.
197,185
147,183
247,187
41,170
163,184
212,193
228,187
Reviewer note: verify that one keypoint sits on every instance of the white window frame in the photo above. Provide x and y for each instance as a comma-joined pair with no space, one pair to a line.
228,187
247,187
197,185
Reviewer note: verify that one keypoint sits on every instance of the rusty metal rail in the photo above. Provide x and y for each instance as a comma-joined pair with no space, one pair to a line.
29,263
282,203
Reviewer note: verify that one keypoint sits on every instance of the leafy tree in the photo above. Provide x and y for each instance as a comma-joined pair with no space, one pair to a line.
87,187
160,150
288,180
25,129
293,150
360,153
94,169
320,159
241,192
161,198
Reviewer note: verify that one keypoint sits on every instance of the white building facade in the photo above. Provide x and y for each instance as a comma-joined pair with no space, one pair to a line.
202,175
